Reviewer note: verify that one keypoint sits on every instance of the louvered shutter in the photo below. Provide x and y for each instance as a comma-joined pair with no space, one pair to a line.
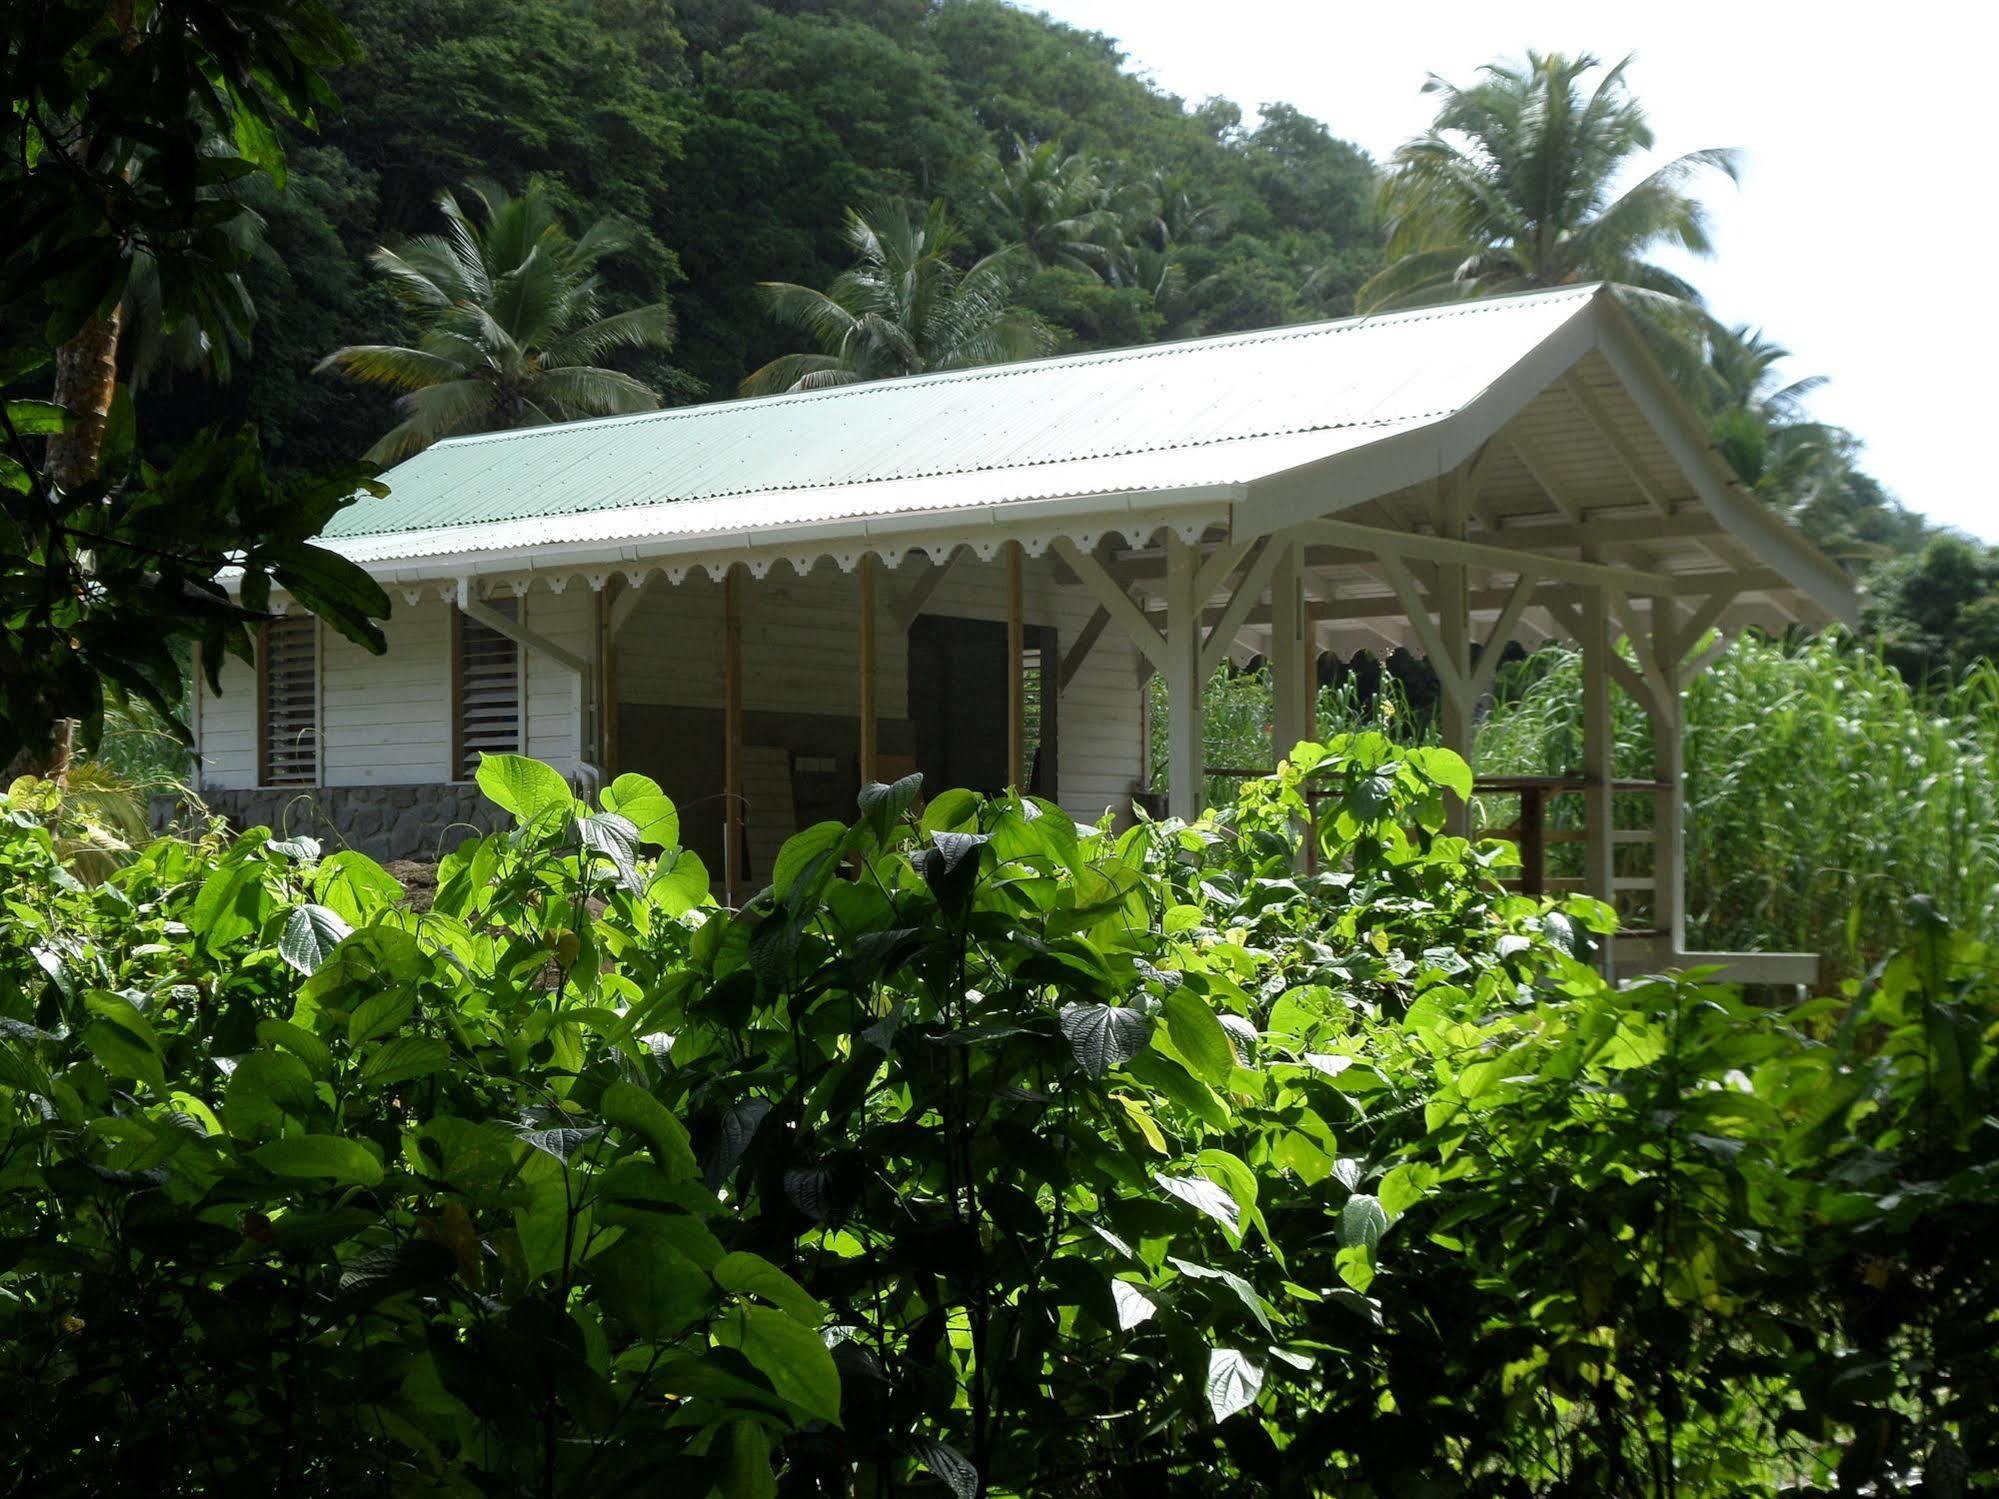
487,709
289,739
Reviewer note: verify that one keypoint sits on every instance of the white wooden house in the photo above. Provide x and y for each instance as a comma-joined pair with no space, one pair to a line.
761,603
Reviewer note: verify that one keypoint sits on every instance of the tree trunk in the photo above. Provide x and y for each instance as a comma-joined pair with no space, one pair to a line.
86,379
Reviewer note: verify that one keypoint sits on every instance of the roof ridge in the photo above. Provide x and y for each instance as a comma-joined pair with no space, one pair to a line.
1018,368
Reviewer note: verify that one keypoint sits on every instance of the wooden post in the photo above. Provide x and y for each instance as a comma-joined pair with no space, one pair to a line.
1454,625
869,755
1669,894
1291,656
1534,841
1599,753
1016,680
732,733
1183,680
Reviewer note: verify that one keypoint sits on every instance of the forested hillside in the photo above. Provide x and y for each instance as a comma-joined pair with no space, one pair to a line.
732,139
735,135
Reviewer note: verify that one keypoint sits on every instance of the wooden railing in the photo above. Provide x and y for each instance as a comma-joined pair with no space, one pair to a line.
1531,830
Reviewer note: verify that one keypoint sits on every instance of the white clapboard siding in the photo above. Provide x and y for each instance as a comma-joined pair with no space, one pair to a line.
388,717
554,692
229,728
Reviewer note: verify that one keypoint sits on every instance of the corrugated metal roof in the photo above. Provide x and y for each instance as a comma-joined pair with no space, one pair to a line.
1162,417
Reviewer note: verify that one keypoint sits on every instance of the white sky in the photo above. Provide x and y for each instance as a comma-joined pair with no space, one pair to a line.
1859,234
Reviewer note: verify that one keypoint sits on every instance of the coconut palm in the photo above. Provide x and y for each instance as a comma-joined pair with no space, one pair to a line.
1514,187
1058,207
905,308
509,333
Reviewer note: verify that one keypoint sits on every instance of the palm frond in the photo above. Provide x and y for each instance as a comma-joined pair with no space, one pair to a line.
649,327
796,372
390,365
433,412
584,390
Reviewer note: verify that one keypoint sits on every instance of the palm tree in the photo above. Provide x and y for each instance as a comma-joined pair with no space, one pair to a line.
509,331
905,308
1513,188
1056,206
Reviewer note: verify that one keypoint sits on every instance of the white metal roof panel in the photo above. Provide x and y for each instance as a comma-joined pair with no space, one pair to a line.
1158,418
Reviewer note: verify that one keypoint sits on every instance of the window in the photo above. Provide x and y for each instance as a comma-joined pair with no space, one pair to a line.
1037,772
288,702
485,690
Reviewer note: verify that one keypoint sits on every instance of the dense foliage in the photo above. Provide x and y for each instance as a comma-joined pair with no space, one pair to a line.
982,1153
129,132
1824,790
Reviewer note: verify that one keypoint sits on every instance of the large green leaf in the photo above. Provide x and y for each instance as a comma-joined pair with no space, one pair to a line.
402,1058
1104,1036
649,809
788,1354
354,886
310,935
1200,1193
527,788
806,855
1199,1036
1233,1382
333,1158
631,1107
751,1275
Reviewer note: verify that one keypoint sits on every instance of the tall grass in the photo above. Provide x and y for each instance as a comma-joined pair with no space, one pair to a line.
1822,790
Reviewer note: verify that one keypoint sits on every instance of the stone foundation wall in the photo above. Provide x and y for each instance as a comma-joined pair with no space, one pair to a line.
384,822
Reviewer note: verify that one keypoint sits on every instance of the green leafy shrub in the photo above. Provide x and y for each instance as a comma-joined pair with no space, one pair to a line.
982,1153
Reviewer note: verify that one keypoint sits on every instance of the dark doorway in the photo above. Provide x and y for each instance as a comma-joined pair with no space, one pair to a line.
957,704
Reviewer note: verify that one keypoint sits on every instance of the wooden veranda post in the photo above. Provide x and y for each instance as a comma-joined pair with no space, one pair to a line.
1454,625
869,756
1292,657
1599,750
732,733
1668,768
1183,679
1016,680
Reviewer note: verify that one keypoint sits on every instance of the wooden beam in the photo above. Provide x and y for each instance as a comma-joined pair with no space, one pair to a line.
1704,619
1689,523
911,604
1218,565
868,745
1292,658
1249,588
473,607
1016,679
1542,472
1571,620
1417,611
627,602
1599,752
1452,549
1606,428
1111,595
732,734
1182,670
1085,642
1503,630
